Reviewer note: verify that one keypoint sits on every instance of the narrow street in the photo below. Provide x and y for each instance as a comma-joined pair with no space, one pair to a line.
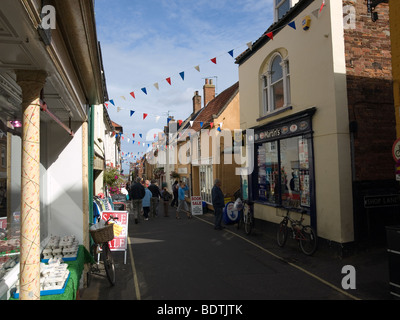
186,259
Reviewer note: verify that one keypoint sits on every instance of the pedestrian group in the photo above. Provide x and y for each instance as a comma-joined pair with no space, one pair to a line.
145,197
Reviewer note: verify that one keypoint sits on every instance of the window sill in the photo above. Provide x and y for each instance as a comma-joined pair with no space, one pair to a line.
274,113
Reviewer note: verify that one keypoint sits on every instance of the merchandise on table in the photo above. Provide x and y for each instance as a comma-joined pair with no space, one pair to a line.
53,277
65,248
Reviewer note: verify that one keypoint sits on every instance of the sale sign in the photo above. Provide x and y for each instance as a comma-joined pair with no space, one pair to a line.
120,241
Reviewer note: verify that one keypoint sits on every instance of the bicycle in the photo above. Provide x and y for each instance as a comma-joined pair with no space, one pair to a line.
247,217
101,238
305,235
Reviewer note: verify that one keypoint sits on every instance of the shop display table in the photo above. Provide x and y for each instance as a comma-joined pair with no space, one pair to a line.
75,268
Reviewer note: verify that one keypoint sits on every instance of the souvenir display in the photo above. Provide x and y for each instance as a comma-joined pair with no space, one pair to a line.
53,277
65,248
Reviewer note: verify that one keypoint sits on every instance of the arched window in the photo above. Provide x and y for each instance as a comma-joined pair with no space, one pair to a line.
276,84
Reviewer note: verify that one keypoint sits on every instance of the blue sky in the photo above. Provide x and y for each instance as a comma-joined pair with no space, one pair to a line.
145,42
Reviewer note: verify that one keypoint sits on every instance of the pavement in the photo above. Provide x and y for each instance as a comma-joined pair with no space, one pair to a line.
370,264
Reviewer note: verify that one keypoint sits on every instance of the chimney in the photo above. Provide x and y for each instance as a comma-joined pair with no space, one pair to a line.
196,102
209,91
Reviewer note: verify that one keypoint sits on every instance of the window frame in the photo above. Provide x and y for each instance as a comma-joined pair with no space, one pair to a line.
278,6
268,97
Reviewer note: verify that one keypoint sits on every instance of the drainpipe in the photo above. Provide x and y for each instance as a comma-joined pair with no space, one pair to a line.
91,161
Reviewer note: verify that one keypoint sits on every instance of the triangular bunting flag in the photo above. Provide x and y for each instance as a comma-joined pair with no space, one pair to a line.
231,53
180,122
219,129
156,86
144,90
140,135
133,141
145,115
315,13
191,123
168,80
182,74
123,97
322,5
201,124
292,24
197,68
132,112
214,60
119,109
112,102
168,120
270,35
133,95
211,124
133,135
250,45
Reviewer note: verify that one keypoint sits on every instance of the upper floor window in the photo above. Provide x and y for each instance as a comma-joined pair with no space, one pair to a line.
281,7
276,84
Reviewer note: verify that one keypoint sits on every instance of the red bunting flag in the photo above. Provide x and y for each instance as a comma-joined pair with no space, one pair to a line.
145,115
180,122
168,80
211,124
270,35
214,60
133,95
322,6
133,135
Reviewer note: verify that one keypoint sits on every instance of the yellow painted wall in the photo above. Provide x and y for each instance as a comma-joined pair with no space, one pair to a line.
318,79
394,7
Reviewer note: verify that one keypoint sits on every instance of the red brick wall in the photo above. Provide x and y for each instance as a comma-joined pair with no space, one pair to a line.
370,90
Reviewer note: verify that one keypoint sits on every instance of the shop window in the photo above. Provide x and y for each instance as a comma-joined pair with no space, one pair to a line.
268,172
206,183
283,172
276,84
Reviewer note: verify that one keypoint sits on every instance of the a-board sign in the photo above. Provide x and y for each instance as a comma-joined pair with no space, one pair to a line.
197,205
120,242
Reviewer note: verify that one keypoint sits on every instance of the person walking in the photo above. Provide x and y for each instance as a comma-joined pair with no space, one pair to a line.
165,196
218,203
175,188
181,201
146,203
155,198
136,194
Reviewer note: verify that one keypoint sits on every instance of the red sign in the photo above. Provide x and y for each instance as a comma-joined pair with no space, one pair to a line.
119,243
396,150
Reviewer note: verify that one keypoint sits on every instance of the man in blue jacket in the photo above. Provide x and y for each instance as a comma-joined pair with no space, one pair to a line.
218,203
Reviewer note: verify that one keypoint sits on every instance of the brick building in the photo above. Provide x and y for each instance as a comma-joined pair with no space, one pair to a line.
317,90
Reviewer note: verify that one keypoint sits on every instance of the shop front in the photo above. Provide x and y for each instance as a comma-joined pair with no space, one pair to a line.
283,175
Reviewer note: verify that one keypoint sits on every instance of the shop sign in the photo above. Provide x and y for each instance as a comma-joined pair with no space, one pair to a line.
381,201
283,131
197,206
120,242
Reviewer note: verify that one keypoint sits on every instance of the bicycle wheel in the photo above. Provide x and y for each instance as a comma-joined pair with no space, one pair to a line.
308,243
109,265
248,223
282,233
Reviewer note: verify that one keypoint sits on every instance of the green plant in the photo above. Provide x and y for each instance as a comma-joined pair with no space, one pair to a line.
113,180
